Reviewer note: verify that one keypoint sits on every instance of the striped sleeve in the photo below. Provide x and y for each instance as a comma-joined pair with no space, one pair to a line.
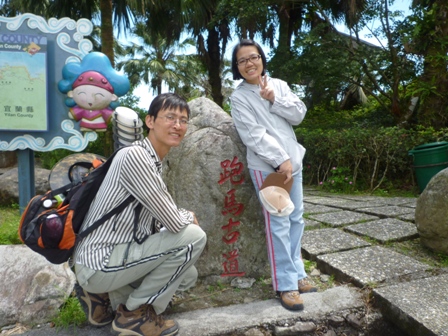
140,177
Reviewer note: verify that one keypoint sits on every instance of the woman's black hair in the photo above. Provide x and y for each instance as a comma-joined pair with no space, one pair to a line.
166,101
246,43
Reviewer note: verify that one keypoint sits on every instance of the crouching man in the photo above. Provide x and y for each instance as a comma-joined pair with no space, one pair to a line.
137,259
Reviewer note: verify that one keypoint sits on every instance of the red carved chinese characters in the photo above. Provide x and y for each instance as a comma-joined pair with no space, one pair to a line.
231,264
231,236
232,171
231,206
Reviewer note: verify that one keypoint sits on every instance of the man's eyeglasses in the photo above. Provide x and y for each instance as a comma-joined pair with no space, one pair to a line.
252,59
172,120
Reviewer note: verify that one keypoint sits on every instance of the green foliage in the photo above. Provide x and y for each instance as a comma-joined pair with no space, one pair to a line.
9,226
422,89
443,258
309,265
49,159
338,180
70,314
371,158
325,116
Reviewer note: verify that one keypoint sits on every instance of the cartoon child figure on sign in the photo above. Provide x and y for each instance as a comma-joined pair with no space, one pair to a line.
92,88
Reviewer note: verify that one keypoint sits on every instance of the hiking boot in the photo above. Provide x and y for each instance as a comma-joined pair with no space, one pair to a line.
143,321
96,307
291,300
306,287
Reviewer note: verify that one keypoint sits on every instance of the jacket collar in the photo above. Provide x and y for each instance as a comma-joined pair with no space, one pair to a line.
146,144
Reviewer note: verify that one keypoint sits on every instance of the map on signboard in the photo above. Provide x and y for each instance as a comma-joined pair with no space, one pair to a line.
23,82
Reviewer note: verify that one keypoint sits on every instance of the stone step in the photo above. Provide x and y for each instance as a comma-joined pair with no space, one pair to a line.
420,307
355,249
338,305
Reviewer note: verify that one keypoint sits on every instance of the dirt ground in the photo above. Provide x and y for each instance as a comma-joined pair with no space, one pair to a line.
222,293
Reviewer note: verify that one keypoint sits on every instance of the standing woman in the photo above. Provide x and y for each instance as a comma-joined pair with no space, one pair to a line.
264,110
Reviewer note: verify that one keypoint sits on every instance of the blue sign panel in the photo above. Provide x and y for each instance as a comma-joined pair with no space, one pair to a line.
33,53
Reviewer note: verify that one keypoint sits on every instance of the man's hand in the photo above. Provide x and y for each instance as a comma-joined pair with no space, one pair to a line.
195,220
266,92
286,168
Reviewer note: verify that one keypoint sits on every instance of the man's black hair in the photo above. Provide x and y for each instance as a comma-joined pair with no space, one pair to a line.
167,101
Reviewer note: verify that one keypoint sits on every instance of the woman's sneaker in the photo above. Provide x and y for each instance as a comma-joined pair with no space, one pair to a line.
143,321
306,287
291,300
96,307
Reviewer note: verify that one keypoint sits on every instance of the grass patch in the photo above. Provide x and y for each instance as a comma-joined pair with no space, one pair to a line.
309,265
70,314
9,225
415,249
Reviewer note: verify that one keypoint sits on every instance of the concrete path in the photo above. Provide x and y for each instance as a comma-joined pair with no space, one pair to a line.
350,238
354,245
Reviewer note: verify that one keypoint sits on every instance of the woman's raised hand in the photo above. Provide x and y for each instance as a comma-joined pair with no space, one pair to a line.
266,92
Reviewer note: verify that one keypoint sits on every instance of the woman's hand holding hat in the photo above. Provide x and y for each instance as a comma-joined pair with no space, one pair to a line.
286,168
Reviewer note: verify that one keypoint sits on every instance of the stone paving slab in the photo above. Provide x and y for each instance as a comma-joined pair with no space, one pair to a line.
361,198
388,211
354,205
331,201
370,265
410,217
404,201
310,208
336,219
312,223
317,242
419,307
347,204
385,230
412,205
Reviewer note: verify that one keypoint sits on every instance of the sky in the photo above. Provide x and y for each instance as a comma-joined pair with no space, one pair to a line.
145,93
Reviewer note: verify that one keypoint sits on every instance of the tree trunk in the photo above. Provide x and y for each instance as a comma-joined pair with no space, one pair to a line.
288,19
434,106
107,30
213,65
107,48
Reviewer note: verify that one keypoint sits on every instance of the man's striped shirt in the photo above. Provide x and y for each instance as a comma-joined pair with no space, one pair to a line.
137,171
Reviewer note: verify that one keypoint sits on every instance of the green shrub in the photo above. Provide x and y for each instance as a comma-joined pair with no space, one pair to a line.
370,158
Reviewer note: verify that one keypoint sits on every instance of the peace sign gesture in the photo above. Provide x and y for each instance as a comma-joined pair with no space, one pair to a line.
266,92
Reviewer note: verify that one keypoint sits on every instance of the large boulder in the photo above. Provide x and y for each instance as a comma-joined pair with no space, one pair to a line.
32,289
431,213
208,175
9,184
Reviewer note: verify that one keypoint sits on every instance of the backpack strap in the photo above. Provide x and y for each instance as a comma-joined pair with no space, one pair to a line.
107,216
138,209
114,211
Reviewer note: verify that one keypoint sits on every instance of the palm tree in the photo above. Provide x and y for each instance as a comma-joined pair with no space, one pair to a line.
118,13
206,21
155,60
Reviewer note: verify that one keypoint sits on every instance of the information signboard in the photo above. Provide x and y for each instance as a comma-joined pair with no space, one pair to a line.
23,82
33,53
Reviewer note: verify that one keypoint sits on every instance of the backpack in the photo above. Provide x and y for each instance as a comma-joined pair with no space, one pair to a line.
54,232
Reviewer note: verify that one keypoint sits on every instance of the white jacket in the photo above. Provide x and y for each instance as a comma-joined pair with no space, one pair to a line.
266,128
